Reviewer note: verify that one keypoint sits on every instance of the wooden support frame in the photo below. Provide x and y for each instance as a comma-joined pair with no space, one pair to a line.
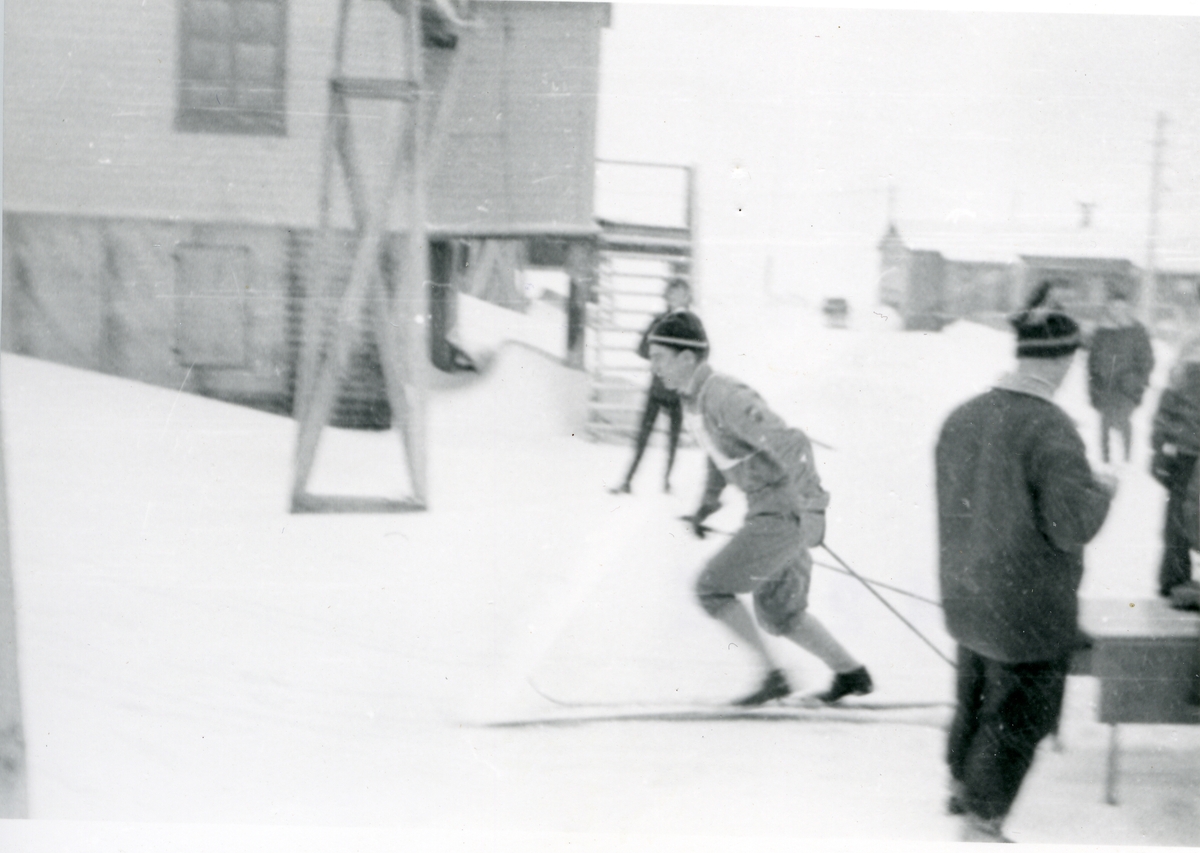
398,322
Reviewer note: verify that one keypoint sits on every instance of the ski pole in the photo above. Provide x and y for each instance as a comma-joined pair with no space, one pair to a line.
706,529
888,605
879,584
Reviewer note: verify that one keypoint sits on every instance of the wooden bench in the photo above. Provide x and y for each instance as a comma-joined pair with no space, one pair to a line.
1147,658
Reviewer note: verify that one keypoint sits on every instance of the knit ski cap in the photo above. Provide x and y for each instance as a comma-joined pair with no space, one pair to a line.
1044,329
681,330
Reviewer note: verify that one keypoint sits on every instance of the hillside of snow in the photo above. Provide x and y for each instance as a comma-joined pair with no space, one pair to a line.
192,653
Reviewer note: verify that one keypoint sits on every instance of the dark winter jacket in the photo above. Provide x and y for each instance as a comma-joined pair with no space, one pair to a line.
1119,363
1016,504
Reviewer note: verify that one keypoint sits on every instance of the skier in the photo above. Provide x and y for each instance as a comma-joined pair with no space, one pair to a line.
750,446
678,296
1017,501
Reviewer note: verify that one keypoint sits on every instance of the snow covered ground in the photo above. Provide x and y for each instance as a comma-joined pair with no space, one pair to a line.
201,668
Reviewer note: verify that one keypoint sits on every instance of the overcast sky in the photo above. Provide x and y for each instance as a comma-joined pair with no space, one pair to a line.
800,120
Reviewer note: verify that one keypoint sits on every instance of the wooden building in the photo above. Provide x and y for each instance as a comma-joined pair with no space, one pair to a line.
163,171
952,278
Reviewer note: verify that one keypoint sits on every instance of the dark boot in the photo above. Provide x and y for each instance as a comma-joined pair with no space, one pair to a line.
856,681
774,686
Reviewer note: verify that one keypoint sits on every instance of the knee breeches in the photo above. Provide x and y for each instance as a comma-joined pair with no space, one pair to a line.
765,558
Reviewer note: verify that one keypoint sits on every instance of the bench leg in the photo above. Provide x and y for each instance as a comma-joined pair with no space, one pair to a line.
1110,776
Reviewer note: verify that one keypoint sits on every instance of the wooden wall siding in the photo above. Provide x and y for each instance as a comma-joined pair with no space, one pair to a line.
118,296
554,66
104,294
520,143
61,322
211,328
91,91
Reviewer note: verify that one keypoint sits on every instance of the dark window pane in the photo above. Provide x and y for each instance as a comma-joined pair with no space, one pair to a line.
208,61
258,22
232,67
256,64
208,18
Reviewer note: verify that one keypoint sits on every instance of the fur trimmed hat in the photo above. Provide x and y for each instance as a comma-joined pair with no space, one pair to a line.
1044,329
680,330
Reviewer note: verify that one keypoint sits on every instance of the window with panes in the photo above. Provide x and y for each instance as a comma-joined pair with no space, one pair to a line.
232,66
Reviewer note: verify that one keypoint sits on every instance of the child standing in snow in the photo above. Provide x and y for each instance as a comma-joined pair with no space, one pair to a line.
1120,360
1017,501
750,446
678,296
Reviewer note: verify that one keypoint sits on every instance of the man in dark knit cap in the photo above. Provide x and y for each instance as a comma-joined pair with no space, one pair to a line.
750,446
1017,502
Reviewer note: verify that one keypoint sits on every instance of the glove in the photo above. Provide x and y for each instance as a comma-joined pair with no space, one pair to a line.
812,528
696,519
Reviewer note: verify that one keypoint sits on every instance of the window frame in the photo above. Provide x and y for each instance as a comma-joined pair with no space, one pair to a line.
234,118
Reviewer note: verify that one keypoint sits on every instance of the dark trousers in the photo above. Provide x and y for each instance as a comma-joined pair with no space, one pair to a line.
674,409
1004,710
1119,418
1176,565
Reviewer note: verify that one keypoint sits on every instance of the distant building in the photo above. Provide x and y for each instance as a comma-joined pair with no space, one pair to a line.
929,289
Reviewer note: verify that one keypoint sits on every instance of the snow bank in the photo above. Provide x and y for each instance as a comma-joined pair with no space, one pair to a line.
524,394
191,652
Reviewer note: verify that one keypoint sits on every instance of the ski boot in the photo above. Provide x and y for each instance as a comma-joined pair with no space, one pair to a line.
774,686
857,681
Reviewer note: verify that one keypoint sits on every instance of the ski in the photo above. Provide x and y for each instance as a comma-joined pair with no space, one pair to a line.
795,701
796,708
916,714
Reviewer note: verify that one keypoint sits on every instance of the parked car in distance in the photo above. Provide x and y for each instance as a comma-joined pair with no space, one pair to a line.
836,311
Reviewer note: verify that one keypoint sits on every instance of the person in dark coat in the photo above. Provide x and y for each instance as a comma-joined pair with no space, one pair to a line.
1016,501
659,398
1120,360
1175,439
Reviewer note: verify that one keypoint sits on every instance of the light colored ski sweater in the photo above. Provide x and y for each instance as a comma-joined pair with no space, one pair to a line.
751,447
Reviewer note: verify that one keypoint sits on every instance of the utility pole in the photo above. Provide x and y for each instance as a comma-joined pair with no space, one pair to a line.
1150,282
